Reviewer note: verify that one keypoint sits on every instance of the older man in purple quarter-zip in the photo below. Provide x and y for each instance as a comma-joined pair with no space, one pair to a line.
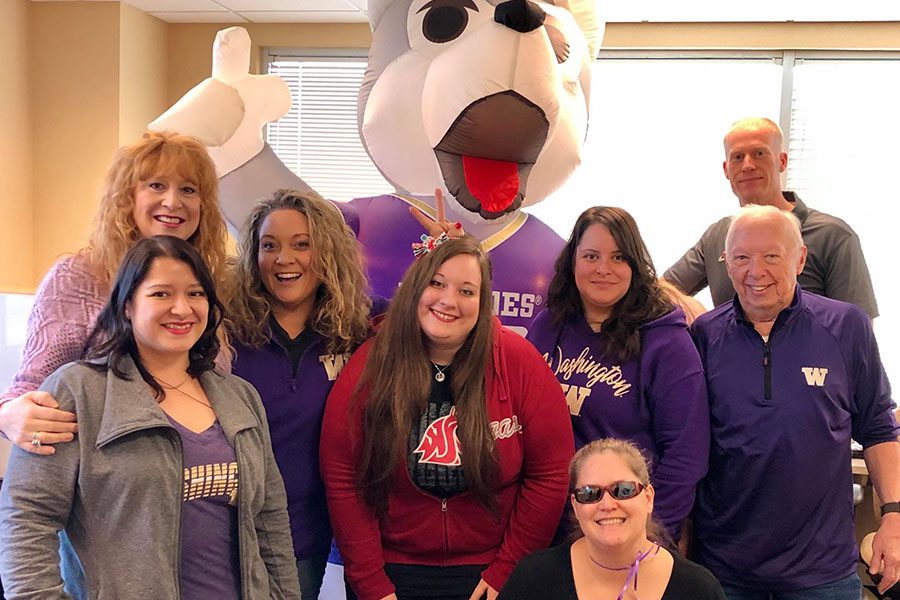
792,376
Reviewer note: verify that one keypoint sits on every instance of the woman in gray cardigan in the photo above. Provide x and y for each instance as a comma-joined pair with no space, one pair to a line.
170,489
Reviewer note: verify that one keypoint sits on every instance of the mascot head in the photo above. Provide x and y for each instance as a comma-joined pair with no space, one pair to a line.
487,99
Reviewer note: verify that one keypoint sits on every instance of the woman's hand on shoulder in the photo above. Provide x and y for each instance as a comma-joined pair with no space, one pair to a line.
33,422
483,590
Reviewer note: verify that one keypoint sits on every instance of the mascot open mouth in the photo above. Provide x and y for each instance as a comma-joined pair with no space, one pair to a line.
487,154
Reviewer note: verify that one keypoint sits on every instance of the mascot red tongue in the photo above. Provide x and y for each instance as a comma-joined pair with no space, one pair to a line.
486,100
493,182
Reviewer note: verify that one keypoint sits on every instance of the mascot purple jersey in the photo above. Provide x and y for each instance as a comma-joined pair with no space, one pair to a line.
525,249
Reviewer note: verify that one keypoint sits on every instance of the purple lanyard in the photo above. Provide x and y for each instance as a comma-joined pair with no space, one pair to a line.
632,570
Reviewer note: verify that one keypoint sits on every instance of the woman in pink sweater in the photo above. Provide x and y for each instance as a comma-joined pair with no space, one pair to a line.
165,184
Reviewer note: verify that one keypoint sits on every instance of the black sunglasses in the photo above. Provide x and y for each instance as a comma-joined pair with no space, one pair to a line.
620,490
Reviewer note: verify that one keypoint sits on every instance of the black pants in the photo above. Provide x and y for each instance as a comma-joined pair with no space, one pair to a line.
426,582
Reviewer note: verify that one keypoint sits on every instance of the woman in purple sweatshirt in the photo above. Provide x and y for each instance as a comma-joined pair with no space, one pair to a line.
299,308
621,351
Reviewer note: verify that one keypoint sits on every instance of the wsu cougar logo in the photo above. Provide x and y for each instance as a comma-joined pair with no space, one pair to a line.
440,445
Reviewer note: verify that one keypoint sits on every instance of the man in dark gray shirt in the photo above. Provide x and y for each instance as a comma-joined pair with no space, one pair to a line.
754,160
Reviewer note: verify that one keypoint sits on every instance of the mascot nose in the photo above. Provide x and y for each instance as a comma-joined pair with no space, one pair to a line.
519,15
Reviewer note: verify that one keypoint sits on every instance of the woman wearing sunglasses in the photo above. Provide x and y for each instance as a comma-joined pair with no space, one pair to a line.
622,352
618,542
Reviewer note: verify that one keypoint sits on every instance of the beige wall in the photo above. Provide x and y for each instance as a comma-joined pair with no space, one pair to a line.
74,101
143,71
16,239
82,79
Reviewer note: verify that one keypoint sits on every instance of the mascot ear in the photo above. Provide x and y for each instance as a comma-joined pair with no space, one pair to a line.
588,19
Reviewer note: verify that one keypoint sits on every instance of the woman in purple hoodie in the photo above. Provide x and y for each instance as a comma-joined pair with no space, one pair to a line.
621,350
299,308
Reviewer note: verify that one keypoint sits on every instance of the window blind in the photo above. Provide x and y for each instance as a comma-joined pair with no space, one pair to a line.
841,160
318,138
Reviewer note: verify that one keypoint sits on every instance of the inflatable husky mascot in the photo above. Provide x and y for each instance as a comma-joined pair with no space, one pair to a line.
486,101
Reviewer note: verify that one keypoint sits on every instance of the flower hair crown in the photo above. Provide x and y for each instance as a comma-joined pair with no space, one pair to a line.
428,243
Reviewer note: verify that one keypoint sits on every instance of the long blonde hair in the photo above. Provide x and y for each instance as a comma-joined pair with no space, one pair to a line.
341,312
115,230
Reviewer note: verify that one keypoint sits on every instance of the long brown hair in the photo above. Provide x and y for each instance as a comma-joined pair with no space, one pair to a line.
643,302
341,311
397,380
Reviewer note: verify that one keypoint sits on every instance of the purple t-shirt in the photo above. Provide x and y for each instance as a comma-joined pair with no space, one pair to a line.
210,562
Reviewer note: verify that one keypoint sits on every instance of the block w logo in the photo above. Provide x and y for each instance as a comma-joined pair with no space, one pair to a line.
815,375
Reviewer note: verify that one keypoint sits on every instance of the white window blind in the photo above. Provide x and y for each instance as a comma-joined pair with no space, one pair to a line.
842,159
318,139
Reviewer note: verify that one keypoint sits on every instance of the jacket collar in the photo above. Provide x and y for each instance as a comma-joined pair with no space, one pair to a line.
787,313
800,209
129,406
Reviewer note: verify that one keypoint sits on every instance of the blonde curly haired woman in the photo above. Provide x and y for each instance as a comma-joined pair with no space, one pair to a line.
299,307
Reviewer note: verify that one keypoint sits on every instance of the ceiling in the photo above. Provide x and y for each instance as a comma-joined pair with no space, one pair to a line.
330,11
252,11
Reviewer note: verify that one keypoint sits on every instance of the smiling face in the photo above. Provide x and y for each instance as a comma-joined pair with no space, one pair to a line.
612,524
449,306
763,259
168,312
602,274
753,164
285,258
167,204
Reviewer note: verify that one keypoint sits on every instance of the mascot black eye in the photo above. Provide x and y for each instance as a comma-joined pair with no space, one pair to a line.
445,20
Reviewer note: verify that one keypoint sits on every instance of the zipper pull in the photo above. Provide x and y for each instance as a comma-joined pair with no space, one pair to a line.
443,505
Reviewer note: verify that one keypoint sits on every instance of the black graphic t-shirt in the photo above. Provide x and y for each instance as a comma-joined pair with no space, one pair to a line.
434,458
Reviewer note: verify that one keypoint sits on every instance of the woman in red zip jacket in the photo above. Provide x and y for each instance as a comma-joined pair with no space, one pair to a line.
445,442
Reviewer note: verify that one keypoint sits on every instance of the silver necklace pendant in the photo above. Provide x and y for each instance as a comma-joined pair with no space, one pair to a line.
439,376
